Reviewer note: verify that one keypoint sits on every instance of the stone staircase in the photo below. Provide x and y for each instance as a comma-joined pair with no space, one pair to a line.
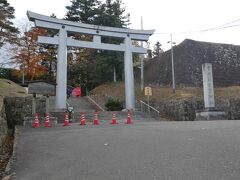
82,104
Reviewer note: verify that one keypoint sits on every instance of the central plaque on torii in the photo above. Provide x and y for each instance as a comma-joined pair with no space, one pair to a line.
63,41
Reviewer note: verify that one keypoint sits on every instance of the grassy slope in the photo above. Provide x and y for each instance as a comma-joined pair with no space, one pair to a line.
165,93
9,88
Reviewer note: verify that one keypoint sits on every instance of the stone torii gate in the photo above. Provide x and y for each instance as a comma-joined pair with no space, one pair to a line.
63,41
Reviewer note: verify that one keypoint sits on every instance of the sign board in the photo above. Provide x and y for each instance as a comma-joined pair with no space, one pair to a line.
148,91
41,87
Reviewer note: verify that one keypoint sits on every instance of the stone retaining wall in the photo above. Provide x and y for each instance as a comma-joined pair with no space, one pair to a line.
19,107
184,110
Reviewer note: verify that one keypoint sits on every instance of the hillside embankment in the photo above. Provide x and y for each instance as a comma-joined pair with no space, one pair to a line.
7,89
177,106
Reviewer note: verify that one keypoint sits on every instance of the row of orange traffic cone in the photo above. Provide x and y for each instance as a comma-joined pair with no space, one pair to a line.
83,122
96,121
36,123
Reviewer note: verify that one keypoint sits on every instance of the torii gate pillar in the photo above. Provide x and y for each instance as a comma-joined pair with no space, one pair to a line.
129,78
61,95
62,72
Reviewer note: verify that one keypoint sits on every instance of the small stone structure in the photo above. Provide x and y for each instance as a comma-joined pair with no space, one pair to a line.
17,108
210,112
41,87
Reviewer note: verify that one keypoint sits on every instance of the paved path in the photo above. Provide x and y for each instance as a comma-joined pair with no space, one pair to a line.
143,151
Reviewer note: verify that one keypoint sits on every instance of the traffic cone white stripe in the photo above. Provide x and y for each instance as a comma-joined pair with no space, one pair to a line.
36,121
114,118
66,121
82,119
47,122
96,121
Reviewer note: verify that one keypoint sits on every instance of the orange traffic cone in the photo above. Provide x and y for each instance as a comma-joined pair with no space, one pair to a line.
83,120
36,121
47,122
114,119
129,120
95,121
66,121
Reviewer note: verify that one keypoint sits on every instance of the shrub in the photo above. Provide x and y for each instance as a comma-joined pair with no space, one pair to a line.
113,105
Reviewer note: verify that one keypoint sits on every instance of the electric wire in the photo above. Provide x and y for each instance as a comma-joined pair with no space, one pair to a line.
223,26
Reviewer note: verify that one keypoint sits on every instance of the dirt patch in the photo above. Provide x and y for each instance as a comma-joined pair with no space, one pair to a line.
6,153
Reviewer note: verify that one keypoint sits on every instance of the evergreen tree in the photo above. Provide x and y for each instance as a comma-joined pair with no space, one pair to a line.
8,32
157,49
50,52
82,11
149,54
93,67
111,14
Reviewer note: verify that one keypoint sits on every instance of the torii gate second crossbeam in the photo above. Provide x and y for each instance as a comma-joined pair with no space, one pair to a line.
63,41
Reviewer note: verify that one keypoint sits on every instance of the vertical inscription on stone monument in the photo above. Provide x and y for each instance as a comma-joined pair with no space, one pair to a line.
208,85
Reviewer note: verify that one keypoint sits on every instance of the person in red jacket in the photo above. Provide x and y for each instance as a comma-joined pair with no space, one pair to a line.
77,91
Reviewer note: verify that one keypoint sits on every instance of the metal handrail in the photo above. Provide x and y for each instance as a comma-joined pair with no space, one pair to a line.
91,99
67,104
149,107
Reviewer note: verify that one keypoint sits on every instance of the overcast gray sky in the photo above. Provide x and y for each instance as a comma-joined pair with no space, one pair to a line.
165,16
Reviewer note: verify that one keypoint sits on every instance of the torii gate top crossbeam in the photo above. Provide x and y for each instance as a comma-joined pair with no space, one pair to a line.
54,23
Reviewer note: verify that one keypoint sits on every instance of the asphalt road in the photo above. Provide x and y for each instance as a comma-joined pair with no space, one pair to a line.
143,151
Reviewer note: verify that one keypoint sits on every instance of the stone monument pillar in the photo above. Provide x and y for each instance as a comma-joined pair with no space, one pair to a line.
208,90
209,112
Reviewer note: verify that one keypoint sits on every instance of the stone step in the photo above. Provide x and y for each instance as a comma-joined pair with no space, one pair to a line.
102,115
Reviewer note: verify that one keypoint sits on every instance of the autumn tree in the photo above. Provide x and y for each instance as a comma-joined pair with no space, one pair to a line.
8,33
28,56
